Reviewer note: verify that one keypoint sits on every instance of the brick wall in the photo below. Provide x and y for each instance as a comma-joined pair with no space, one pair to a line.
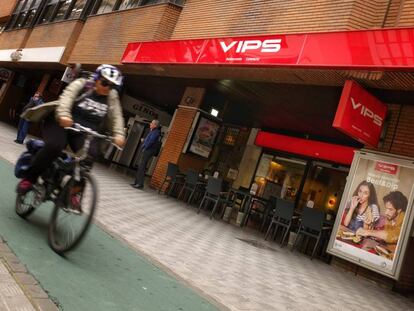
367,14
173,147
14,39
56,34
209,18
177,137
399,138
6,8
105,37
406,17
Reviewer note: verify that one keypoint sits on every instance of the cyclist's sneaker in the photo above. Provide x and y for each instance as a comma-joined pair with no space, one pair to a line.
24,186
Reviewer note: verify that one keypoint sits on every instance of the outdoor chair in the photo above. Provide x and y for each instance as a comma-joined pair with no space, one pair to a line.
283,217
311,225
213,194
269,210
258,207
191,185
171,178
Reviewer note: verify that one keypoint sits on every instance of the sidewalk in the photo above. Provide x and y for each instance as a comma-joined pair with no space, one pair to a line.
19,291
231,266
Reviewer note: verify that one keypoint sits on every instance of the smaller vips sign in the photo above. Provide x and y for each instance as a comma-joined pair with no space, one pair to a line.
360,115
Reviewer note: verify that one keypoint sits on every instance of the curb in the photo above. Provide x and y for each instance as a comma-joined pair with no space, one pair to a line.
29,285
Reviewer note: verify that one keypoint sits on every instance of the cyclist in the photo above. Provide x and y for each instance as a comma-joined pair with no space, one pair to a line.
94,105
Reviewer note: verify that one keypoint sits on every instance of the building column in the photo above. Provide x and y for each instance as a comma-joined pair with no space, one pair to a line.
251,157
43,83
178,132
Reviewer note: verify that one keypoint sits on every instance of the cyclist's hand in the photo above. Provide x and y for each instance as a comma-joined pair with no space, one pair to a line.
65,121
119,141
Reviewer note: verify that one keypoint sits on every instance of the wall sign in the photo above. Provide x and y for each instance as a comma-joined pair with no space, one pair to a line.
360,114
368,49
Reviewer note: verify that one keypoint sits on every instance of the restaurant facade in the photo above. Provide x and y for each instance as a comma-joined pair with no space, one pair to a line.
281,98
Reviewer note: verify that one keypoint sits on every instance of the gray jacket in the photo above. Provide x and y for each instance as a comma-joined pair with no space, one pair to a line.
63,107
72,91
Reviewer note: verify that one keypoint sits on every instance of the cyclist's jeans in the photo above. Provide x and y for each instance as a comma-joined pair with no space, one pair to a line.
56,139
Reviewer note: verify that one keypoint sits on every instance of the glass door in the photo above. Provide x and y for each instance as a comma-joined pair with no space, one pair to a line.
323,187
279,177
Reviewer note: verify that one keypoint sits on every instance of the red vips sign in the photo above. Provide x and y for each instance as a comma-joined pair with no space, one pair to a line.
359,114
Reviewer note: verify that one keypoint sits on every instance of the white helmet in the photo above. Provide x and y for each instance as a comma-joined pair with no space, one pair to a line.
110,73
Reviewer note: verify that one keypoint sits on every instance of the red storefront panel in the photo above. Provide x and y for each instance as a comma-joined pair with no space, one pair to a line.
359,114
310,148
384,48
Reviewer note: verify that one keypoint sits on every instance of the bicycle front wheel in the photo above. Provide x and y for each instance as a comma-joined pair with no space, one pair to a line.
25,203
72,217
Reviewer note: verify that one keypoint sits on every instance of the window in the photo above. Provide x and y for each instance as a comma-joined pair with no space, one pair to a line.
48,11
129,4
32,12
106,6
62,9
77,9
21,12
58,10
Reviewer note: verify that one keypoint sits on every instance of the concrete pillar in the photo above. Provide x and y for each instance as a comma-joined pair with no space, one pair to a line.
249,161
178,132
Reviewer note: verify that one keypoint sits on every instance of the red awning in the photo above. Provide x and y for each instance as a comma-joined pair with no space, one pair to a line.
310,148
362,49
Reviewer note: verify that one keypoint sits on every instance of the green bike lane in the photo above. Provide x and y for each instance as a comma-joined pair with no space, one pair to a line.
101,274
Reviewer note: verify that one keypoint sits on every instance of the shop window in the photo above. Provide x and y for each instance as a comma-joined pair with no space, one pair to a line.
279,177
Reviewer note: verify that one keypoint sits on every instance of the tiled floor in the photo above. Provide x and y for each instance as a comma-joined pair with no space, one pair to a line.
212,256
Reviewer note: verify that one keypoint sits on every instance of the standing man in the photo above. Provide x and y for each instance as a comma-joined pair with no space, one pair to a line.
148,150
23,127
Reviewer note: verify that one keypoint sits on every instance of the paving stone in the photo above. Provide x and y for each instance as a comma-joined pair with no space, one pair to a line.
45,305
230,265
35,291
25,278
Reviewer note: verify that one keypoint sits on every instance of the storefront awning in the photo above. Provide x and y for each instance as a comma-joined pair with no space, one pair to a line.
390,49
306,147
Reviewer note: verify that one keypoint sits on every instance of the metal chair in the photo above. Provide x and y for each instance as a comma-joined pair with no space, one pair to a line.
213,193
282,216
171,178
311,225
191,185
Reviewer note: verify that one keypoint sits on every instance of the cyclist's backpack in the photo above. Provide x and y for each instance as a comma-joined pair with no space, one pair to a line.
23,162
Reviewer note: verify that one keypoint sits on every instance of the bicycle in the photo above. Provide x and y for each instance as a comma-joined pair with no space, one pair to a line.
67,178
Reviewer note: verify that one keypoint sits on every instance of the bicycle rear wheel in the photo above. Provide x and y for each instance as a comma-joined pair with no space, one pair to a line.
68,225
25,203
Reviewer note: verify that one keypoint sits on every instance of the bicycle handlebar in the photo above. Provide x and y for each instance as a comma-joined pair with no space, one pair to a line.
76,127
